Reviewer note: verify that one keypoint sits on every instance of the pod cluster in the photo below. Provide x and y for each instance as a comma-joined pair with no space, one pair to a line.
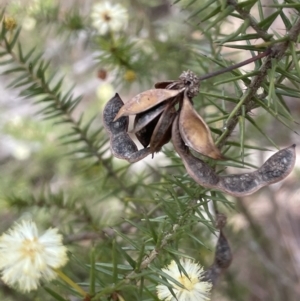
166,113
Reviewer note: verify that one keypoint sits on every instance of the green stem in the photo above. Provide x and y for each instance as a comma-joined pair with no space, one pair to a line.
69,281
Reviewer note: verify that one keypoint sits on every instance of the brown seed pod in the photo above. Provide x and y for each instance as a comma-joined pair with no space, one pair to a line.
195,132
110,111
223,257
120,143
145,101
273,170
165,85
156,112
202,173
162,132
142,119
144,135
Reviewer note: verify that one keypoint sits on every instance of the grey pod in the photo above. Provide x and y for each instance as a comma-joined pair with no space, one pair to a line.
276,168
223,256
120,143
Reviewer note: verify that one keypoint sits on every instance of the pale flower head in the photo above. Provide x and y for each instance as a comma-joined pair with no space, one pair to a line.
194,289
26,257
107,17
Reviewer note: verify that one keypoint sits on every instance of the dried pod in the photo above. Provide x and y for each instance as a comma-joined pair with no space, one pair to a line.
201,172
144,135
121,145
165,84
278,166
110,111
195,132
273,170
222,260
145,101
142,119
162,132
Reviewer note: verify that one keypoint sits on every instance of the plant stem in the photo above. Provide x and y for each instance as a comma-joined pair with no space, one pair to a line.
235,66
69,281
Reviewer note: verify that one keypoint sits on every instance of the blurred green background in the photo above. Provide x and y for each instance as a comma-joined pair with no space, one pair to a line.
59,182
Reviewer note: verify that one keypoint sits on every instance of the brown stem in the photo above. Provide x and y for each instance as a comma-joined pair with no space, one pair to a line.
235,66
246,16
277,52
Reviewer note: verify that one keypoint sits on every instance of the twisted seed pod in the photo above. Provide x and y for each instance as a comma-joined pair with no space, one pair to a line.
276,168
120,143
223,256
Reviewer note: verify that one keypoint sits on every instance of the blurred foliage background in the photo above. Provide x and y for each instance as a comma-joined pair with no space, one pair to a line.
56,166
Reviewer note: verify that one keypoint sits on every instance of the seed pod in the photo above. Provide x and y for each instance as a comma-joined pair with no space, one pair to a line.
162,132
170,85
278,166
123,147
120,143
145,101
165,84
195,132
273,170
223,257
201,172
110,111
142,119
144,135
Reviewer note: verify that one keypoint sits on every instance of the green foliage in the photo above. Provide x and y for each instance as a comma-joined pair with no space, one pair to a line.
122,223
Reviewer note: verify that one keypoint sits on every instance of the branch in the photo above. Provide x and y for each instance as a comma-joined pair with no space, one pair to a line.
66,113
246,16
248,98
277,51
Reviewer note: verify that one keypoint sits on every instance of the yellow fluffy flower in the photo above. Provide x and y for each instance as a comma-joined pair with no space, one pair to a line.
26,258
194,289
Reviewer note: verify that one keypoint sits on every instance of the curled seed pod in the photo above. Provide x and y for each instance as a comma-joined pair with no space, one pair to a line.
145,101
195,132
276,168
223,255
142,119
162,132
110,111
121,145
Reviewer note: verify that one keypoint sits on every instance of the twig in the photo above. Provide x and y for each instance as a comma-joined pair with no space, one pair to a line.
277,51
69,118
246,16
